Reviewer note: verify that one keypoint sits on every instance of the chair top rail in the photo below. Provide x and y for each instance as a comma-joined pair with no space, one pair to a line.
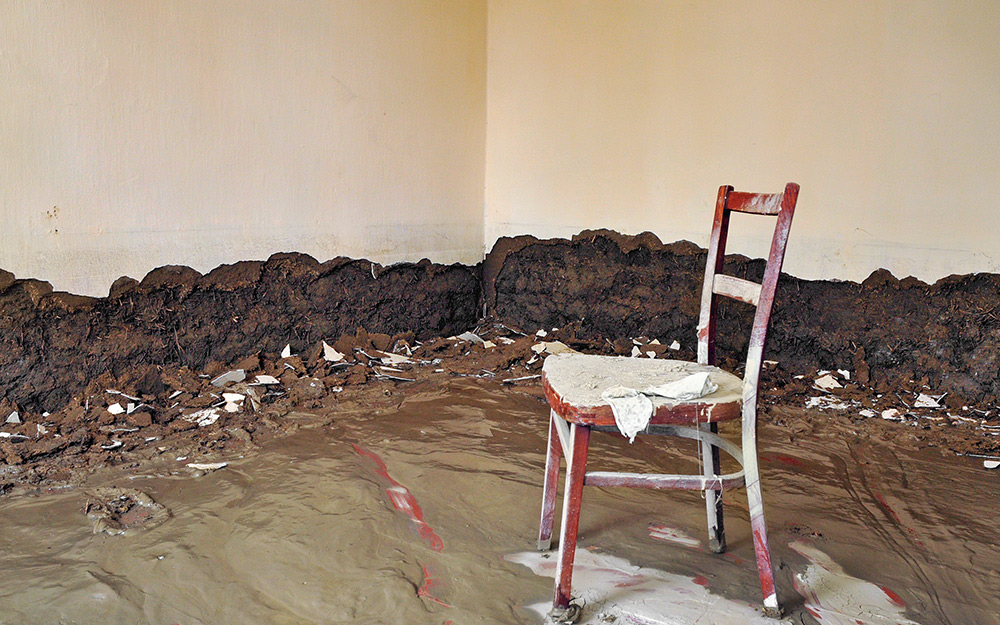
756,203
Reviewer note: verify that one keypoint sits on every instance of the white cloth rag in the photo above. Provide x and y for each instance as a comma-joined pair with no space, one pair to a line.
633,409
691,387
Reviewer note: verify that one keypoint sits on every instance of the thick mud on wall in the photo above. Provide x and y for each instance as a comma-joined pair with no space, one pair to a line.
888,331
53,344
602,287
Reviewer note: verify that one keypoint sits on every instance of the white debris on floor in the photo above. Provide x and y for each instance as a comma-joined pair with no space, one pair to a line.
658,531
836,598
612,589
825,402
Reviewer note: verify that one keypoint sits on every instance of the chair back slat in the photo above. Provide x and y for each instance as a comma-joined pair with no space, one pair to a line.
737,288
760,295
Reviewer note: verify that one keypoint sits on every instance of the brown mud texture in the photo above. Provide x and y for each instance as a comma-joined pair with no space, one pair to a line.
605,286
53,344
602,289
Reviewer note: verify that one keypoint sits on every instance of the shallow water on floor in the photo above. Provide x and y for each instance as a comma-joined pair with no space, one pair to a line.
417,514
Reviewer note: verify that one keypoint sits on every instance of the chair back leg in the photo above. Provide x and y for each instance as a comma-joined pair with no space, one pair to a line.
552,459
572,499
757,524
713,498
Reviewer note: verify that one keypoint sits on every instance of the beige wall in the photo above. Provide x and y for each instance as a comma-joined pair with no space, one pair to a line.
629,115
135,134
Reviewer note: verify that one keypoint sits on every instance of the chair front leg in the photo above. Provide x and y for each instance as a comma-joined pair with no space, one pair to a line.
572,499
713,498
552,459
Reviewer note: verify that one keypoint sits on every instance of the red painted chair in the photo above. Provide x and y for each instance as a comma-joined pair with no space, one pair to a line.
574,383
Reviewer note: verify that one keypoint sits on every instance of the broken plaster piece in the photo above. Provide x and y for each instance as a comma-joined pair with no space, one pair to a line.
892,415
203,418
230,377
287,352
233,401
674,346
114,392
266,379
991,464
471,337
116,409
14,418
330,354
552,347
826,403
389,358
636,352
867,413
828,382
926,401
207,466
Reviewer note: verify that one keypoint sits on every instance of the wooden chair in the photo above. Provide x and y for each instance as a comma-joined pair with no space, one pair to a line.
573,385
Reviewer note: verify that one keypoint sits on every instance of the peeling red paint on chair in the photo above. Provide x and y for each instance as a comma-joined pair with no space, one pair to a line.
763,562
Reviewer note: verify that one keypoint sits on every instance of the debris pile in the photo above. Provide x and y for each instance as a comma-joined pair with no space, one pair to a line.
229,408
839,394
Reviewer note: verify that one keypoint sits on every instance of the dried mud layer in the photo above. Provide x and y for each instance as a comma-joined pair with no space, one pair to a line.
88,382
53,345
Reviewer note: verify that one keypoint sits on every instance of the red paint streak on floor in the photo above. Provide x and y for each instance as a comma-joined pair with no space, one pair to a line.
403,500
791,461
701,580
893,597
430,583
885,506
895,517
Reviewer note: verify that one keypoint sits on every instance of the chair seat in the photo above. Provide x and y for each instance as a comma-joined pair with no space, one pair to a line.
573,385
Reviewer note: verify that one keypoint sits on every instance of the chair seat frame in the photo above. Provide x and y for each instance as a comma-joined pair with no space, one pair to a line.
570,438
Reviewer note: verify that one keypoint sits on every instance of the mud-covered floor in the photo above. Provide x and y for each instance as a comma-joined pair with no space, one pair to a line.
417,503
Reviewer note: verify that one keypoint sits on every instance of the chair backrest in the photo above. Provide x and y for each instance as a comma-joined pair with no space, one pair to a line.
781,205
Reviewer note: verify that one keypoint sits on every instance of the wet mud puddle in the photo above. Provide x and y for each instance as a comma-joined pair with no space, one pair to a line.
425,513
